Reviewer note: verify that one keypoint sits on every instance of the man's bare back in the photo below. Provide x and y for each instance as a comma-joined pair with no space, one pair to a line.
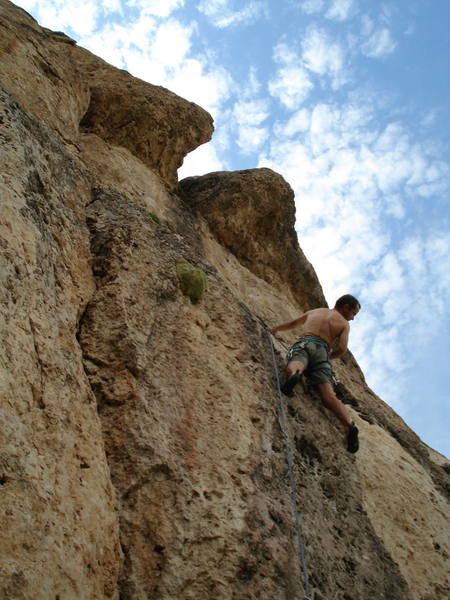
325,323
328,324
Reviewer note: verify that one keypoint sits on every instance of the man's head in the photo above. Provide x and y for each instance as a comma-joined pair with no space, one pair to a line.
348,306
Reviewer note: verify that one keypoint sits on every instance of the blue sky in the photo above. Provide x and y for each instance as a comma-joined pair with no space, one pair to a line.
350,101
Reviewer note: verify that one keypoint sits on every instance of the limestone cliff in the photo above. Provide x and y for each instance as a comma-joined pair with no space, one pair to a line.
141,456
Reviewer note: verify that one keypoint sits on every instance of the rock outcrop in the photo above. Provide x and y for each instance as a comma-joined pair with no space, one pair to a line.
141,456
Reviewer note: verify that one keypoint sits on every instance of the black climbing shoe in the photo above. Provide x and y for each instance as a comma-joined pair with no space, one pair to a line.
288,386
352,439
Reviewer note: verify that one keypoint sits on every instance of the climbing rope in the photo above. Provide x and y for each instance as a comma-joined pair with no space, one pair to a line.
282,420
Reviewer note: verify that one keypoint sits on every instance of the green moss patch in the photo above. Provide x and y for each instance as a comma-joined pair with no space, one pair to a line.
153,218
192,280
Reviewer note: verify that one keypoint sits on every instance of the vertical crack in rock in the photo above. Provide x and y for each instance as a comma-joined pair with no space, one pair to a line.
38,392
115,335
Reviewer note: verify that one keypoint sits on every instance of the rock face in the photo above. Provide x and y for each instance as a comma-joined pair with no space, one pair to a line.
141,453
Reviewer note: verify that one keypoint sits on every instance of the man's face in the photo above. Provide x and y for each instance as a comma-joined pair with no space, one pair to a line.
350,313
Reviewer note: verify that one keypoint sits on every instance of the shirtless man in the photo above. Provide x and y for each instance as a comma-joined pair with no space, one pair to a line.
320,328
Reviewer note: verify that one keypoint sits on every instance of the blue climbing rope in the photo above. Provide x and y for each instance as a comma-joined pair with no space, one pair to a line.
282,420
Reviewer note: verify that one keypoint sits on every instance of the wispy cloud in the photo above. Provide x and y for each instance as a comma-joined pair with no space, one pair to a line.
318,61
158,8
323,56
222,14
379,43
204,160
292,83
248,116
341,10
80,15
311,7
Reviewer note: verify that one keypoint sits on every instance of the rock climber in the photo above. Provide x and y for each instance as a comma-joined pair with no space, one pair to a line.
324,335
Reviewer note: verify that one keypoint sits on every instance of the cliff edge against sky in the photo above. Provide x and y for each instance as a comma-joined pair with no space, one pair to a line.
141,452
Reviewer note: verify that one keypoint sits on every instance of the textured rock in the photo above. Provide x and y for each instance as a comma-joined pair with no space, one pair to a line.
141,453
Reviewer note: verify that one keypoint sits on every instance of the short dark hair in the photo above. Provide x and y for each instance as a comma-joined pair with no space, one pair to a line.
347,299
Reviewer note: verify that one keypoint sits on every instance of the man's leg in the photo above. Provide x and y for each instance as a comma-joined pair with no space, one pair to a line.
295,366
294,370
332,403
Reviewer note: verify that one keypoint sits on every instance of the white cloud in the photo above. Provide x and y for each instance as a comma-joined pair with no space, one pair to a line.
158,8
251,112
340,10
208,86
367,26
171,44
388,279
79,15
298,123
379,44
291,84
202,160
223,15
395,206
429,118
250,139
111,6
323,57
26,4
253,86
311,7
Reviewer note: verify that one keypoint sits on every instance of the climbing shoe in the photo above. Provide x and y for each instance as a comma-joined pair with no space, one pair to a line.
352,439
288,386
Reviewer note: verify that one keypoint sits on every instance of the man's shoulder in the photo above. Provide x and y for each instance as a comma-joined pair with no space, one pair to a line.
339,321
318,311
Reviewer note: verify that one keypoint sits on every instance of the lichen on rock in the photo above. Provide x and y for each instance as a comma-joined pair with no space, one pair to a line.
193,281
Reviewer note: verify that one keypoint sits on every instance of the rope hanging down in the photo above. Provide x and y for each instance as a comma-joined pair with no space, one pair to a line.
282,420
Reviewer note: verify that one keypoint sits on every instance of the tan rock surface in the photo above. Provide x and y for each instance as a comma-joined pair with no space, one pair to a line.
141,453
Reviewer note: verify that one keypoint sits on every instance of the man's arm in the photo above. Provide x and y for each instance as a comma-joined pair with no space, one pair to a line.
341,348
291,324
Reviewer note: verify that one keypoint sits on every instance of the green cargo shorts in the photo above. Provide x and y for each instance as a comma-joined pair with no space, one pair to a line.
313,353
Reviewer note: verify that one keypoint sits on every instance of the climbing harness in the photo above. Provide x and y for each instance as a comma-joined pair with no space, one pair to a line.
282,420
